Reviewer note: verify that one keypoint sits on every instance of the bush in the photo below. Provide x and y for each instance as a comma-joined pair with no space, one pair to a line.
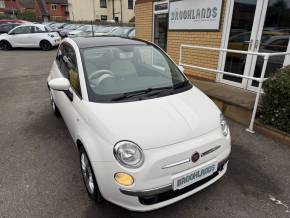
27,15
275,104
4,16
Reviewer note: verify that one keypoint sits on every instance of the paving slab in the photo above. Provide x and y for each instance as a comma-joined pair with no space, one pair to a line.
226,93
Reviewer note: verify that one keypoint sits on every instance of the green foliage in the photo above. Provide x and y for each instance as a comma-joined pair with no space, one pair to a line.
4,16
275,104
27,15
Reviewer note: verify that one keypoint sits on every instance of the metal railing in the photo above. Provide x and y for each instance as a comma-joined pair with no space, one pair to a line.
260,80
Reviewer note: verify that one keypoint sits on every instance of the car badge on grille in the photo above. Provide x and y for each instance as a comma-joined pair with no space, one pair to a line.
195,157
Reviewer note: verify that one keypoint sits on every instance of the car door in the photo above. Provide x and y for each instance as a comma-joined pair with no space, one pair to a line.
68,101
22,36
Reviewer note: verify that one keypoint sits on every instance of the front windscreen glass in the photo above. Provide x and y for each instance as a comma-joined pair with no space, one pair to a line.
130,72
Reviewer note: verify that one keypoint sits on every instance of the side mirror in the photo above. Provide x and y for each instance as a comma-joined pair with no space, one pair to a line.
59,84
12,33
181,68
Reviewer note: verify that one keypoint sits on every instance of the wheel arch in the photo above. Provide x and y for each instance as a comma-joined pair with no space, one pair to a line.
96,149
6,40
79,144
44,40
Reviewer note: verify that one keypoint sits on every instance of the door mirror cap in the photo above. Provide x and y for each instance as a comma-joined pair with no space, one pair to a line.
59,84
181,68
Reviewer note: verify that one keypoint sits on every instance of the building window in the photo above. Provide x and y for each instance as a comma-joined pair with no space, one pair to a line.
103,3
104,17
130,4
53,7
2,4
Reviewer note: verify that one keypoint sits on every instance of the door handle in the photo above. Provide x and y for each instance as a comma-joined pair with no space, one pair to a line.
250,44
257,42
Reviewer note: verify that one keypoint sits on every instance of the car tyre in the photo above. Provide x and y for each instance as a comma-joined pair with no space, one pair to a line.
89,177
53,105
5,45
45,45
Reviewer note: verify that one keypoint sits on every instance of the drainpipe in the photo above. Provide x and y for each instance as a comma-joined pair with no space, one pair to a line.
121,11
113,5
94,10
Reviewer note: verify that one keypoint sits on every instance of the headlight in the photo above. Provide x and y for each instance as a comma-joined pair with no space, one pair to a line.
51,35
224,125
128,154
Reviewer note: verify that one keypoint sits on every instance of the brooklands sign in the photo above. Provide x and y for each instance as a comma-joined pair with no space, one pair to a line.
195,14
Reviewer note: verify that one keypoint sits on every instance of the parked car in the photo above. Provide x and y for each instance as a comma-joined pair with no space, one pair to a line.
105,30
69,28
84,30
49,23
146,136
5,28
132,34
123,31
58,26
29,36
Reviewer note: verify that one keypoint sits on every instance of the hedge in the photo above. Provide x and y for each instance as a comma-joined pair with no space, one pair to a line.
275,104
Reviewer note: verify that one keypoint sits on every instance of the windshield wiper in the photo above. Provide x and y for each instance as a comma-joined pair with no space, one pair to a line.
149,92
170,88
131,94
180,85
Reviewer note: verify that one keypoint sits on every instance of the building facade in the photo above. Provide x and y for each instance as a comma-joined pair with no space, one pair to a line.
90,10
246,25
55,10
13,7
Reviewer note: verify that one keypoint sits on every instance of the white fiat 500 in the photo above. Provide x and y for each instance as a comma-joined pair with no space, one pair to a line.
146,136
30,36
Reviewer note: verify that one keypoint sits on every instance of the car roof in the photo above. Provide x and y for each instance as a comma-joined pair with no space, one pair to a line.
100,41
33,24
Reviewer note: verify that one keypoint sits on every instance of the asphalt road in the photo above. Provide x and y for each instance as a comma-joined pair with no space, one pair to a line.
39,168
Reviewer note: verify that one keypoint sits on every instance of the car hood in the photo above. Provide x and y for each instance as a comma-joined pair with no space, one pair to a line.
3,35
155,122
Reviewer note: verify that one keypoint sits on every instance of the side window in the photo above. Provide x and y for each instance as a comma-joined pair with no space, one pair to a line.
67,62
38,30
23,30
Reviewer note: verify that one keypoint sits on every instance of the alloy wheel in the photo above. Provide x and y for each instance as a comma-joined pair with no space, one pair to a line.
5,45
87,173
45,46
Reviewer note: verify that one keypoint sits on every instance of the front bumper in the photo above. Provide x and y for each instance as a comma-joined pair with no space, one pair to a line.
152,188
155,192
55,41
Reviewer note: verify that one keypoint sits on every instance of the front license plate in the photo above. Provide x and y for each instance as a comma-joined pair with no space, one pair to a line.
194,176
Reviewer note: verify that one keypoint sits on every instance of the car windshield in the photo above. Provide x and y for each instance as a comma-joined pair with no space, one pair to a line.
72,27
122,31
57,25
105,29
115,73
85,28
68,26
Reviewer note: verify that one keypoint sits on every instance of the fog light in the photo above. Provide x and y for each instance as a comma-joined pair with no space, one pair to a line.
124,179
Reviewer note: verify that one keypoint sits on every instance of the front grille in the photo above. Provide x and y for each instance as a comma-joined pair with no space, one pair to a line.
154,199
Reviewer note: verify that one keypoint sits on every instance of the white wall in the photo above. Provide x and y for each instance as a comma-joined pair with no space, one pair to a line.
81,10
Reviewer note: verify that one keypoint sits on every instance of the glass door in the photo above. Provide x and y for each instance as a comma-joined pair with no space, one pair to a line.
160,23
273,36
160,30
245,18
